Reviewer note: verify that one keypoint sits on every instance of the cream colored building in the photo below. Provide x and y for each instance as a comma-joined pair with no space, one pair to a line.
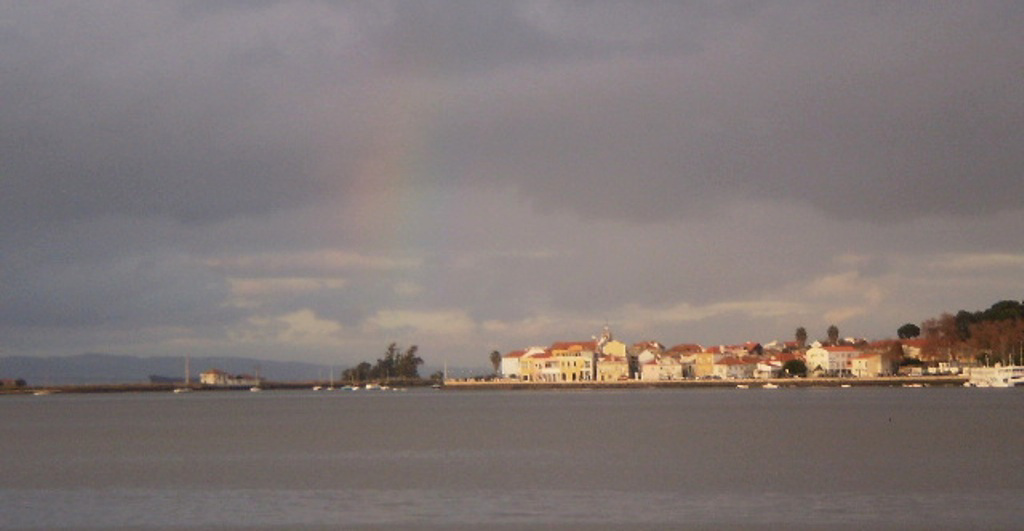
542,367
612,369
662,369
730,368
704,364
217,377
869,365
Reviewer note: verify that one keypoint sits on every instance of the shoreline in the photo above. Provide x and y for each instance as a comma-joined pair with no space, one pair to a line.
511,385
170,387
881,381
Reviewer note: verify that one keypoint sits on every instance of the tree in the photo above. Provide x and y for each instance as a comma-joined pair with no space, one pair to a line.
801,337
794,368
1001,340
385,367
942,336
496,360
833,335
408,364
359,373
908,331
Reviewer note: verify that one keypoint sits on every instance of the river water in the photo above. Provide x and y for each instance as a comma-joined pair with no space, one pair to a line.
644,459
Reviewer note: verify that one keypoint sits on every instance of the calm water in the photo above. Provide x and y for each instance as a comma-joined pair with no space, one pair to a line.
816,458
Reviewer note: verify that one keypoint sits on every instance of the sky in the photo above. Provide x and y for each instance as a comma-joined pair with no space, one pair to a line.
311,180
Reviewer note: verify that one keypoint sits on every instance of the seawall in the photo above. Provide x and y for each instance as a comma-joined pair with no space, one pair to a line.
891,381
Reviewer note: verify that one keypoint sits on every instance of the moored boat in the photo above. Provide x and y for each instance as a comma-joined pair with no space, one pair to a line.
1000,376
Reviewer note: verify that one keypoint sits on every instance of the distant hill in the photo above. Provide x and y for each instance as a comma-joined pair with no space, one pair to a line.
94,368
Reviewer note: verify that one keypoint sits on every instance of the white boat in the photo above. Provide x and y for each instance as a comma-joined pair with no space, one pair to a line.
999,376
179,390
372,387
770,385
255,389
742,386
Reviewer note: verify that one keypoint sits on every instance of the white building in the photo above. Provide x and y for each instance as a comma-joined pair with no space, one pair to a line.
830,361
512,363
730,368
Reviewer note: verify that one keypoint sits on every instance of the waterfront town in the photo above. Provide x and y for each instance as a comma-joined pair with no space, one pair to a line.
606,359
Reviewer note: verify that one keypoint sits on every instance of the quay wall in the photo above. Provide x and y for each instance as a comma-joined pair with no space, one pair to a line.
888,381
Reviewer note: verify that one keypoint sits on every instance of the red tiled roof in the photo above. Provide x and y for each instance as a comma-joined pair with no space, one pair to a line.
784,356
515,354
687,348
566,345
732,361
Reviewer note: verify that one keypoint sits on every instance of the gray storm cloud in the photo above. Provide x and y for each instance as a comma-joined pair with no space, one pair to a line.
589,161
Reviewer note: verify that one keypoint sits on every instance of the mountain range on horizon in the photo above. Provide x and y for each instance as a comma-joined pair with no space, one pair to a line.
100,368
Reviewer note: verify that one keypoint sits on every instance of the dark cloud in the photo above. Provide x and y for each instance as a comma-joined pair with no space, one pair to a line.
326,170
888,117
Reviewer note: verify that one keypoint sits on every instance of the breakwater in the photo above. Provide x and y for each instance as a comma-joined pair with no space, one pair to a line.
892,381
169,387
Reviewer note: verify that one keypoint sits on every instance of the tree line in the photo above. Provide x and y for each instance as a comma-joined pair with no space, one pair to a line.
394,365
995,334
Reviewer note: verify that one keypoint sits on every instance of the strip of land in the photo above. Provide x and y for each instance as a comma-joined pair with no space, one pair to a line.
881,381
482,385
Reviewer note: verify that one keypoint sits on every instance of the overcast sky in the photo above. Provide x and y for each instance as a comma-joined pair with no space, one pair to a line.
314,180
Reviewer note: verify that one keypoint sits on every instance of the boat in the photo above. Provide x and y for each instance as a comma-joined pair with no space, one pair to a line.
846,386
255,389
43,392
770,385
998,376
179,390
372,387
742,386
